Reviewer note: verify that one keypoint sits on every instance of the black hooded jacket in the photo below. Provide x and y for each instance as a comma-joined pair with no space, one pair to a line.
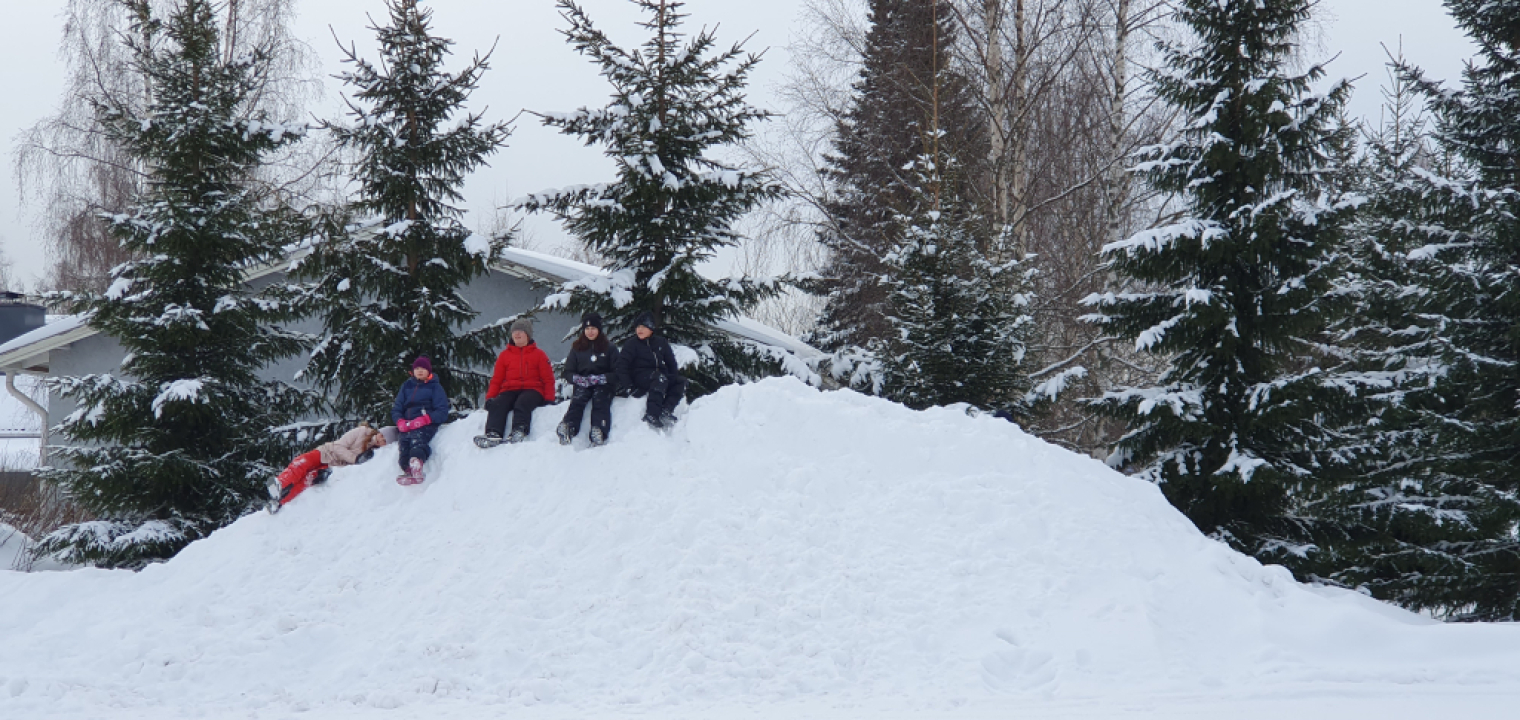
591,361
640,361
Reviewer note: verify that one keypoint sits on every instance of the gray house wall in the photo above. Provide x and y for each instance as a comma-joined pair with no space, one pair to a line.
494,296
500,295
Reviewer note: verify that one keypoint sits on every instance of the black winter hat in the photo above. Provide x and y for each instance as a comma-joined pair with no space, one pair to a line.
646,319
591,319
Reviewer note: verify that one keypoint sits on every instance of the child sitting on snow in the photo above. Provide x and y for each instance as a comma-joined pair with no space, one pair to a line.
421,406
590,368
356,446
647,365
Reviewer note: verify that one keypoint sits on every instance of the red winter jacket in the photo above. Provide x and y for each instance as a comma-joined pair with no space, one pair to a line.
522,368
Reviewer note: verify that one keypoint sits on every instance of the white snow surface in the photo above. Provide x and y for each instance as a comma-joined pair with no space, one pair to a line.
785,552
12,545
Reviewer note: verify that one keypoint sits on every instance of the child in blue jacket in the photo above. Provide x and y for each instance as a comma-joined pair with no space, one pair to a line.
420,408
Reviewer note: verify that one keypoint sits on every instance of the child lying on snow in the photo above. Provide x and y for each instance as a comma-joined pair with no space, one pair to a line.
356,446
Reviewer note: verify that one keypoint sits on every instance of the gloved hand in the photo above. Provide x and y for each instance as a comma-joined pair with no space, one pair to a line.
405,425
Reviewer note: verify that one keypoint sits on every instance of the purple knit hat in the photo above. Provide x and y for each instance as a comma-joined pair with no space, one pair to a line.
422,362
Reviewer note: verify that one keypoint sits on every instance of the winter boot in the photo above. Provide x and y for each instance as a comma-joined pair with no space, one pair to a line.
517,436
413,474
668,419
487,441
598,437
652,421
563,431
275,492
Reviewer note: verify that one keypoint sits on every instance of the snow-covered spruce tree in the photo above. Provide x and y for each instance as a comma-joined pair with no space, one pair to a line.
906,76
180,441
1234,293
1407,515
675,100
957,318
392,294
1463,560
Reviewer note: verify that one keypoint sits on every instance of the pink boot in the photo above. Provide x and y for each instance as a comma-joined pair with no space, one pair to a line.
412,475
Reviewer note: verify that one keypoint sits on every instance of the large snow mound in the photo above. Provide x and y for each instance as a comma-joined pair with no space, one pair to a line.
784,552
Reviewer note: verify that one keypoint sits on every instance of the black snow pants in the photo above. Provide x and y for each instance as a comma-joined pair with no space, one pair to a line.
600,399
521,403
665,393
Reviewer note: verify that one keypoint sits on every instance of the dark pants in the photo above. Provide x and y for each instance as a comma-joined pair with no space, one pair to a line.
600,398
414,444
521,403
665,393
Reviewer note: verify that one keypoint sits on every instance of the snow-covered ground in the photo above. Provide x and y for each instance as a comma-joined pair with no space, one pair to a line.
784,553
12,544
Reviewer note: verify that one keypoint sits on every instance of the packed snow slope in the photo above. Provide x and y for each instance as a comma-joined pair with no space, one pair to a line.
785,552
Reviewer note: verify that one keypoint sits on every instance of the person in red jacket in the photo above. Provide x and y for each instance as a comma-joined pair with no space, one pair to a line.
356,446
521,383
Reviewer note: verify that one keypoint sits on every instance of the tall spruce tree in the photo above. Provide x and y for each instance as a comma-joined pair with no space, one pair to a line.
1235,293
1404,515
389,295
180,441
906,77
956,317
675,101
1463,560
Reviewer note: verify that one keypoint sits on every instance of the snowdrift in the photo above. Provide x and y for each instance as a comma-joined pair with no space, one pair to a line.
785,552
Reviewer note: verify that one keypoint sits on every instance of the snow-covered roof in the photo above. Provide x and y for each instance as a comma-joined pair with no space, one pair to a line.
27,350
558,269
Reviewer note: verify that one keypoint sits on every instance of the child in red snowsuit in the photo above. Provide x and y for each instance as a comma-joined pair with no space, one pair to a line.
305,469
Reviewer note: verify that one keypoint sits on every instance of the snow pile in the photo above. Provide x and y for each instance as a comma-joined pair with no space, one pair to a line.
12,545
785,552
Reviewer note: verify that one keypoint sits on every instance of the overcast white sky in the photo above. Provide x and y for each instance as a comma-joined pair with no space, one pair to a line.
533,68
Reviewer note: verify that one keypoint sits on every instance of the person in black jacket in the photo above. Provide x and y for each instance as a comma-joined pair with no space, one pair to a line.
646,365
590,368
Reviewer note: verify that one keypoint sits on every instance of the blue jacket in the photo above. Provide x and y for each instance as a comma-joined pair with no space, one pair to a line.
417,398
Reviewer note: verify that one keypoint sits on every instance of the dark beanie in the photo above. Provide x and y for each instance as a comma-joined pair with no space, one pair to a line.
591,319
646,319
422,362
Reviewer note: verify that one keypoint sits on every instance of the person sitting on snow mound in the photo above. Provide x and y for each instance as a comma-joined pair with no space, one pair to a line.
421,406
521,382
647,365
356,446
590,368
